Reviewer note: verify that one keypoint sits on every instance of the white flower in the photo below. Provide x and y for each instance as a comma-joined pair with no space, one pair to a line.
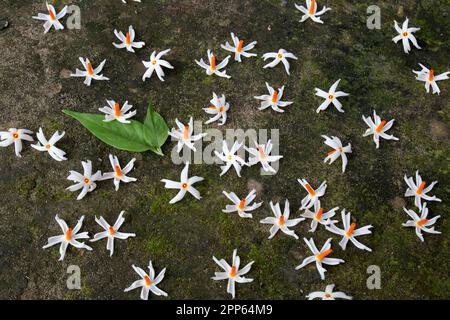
238,49
313,195
319,217
212,68
49,145
184,135
261,154
427,75
219,109
331,97
15,136
406,35
155,64
124,1
319,257
52,18
281,220
339,151
111,232
378,128
350,232
69,236
328,294
148,282
230,158
242,206
273,100
233,274
421,223
127,41
185,185
119,174
113,112
311,11
85,181
280,56
90,72
418,190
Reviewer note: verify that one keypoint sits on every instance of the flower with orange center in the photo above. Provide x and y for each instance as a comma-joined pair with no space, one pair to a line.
52,18
49,145
281,221
273,99
310,11
405,34
418,190
111,232
85,181
214,68
263,154
430,78
242,206
280,56
219,108
339,151
230,158
69,237
328,294
378,128
232,273
15,136
89,73
113,111
312,198
119,174
319,216
331,97
156,64
239,49
127,40
349,232
148,282
184,135
185,185
422,222
319,257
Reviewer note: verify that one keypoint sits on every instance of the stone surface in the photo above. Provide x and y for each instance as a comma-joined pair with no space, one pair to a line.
35,87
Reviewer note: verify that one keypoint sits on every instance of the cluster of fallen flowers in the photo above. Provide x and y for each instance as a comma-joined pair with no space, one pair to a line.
281,220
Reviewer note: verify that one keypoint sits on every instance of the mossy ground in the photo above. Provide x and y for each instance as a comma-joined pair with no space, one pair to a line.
183,237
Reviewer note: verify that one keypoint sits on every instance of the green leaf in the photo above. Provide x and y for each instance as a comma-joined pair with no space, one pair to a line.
156,130
128,137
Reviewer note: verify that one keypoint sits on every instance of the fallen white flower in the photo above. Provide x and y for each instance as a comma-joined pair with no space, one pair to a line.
69,236
280,56
111,232
242,206
232,273
148,282
15,136
90,73
185,185
49,145
85,181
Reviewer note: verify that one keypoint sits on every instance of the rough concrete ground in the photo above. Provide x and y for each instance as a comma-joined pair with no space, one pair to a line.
35,87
